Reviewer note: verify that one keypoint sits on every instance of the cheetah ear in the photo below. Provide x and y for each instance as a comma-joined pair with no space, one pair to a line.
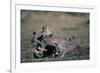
45,25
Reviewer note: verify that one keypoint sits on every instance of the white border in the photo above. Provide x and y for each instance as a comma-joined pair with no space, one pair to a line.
17,67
